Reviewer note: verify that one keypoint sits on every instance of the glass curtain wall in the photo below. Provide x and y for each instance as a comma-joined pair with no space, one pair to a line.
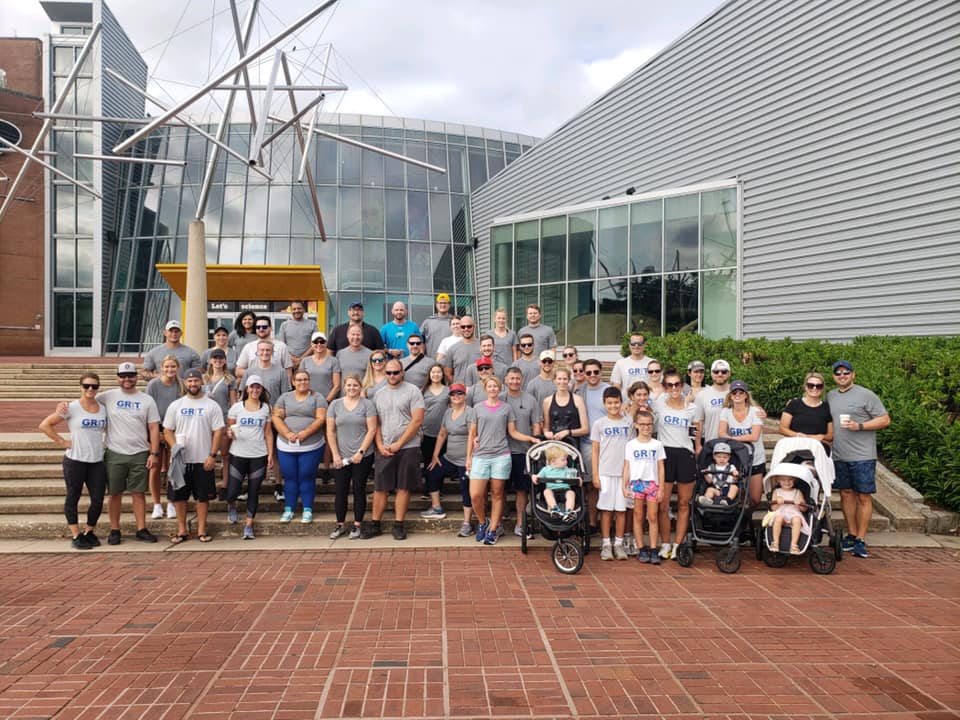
661,265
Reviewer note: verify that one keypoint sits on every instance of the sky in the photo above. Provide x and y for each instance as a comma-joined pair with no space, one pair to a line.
524,66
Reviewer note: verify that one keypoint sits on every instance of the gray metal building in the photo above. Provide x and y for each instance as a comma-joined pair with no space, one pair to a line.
838,124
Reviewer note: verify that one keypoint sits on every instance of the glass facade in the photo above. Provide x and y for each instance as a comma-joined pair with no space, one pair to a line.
660,264
395,231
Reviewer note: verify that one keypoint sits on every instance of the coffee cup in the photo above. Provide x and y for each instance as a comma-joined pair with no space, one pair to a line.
844,418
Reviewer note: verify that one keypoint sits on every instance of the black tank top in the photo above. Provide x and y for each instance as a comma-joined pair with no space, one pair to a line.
564,417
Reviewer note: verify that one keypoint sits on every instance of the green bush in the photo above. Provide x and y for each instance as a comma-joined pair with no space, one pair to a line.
917,378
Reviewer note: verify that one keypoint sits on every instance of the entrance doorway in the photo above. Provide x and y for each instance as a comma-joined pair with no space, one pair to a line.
223,313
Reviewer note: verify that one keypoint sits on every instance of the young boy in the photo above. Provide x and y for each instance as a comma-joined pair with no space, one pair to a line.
643,477
609,436
721,478
555,472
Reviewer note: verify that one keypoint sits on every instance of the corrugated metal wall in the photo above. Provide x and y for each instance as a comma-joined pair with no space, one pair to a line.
842,121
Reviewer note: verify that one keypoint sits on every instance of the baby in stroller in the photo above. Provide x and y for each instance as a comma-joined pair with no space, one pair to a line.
555,473
721,478
787,505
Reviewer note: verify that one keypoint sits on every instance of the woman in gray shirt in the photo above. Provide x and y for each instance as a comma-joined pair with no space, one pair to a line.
435,400
164,389
351,431
450,452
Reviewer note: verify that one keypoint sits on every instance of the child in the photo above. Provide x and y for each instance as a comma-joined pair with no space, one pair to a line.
609,436
643,478
557,471
787,506
721,478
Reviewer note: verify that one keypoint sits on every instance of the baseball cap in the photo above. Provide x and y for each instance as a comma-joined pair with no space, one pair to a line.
739,385
484,362
218,353
356,305
457,387
317,336
173,324
126,367
253,380
721,448
842,364
547,355
443,297
720,365
193,373
695,365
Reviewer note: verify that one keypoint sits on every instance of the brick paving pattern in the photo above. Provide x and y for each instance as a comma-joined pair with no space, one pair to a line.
475,633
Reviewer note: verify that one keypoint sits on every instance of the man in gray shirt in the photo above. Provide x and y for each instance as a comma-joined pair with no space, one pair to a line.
397,462
436,327
296,332
354,357
543,335
857,416
487,348
185,355
529,414
592,393
527,362
542,386
464,354
416,366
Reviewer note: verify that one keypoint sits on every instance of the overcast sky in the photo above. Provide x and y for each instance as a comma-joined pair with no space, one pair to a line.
520,65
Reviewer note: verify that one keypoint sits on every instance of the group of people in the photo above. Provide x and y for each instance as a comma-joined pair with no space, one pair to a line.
414,404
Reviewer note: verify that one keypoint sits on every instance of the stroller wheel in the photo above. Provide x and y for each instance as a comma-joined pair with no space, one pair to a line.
523,530
774,559
685,554
822,562
728,559
567,556
758,543
837,549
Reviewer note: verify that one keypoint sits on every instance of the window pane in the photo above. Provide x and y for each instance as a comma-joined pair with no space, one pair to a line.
374,258
63,305
325,255
523,296
455,168
646,231
646,304
325,171
232,222
458,225
581,252
327,197
350,254
612,313
501,255
65,199
84,320
301,250
417,216
681,233
719,315
231,251
495,161
580,314
463,270
440,217
526,252
393,168
255,214
421,265
303,220
278,251
553,250
63,144
553,302
66,263
613,256
442,266
372,168
416,176
85,262
437,155
349,165
396,212
682,302
372,212
396,266
501,299
279,217
254,250
351,224
478,168
719,227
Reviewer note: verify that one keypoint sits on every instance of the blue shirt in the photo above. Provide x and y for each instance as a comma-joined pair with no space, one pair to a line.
395,336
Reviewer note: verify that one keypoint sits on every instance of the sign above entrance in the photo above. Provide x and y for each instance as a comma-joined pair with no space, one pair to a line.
255,306
221,306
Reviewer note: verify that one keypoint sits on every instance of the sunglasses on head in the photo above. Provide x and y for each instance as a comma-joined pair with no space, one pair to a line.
815,386
90,386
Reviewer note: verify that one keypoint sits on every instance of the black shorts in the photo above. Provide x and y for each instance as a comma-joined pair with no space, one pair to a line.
199,482
681,466
760,469
518,481
397,472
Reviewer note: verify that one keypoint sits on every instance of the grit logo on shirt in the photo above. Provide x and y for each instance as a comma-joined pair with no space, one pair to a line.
716,402
93,424
616,431
737,432
633,372
644,454
196,412
251,421
128,404
676,420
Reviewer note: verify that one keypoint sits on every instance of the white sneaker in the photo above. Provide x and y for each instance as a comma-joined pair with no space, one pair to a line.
171,511
606,552
157,511
673,551
619,552
631,545
665,551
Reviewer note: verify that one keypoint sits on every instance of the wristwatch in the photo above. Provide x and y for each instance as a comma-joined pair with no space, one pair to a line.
155,454
860,426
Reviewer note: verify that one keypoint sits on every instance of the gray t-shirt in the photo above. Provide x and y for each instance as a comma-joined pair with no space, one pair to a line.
128,417
476,394
435,406
248,357
275,380
529,368
219,391
673,426
395,406
375,388
417,371
461,357
457,429
540,388
492,429
299,415
231,359
321,375
163,395
709,404
861,405
736,430
613,436
473,375
249,430
543,337
527,411
503,346
238,342
185,355
434,329
350,426
86,432
296,334
195,419
353,363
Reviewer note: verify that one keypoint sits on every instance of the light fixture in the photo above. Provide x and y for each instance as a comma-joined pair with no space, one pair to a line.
631,190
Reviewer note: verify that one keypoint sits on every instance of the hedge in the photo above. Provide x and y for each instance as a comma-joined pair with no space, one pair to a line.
917,378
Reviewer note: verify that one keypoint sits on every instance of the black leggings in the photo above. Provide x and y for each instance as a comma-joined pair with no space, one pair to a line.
76,474
356,476
254,470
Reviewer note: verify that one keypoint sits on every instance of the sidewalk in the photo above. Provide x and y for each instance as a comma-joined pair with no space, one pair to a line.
400,631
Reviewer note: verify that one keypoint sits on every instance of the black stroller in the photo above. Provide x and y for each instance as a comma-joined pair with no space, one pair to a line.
720,522
571,533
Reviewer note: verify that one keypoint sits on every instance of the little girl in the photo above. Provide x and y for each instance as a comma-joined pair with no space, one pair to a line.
787,506
643,477
557,471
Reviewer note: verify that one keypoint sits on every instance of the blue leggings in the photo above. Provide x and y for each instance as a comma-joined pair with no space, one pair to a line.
300,476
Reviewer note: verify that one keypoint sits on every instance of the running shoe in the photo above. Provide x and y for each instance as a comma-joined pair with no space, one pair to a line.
645,554
144,535
399,531
248,532
606,552
80,543
847,543
372,530
356,533
619,553
491,538
338,532
481,533
278,494
232,516
860,548
171,511
434,513
307,516
665,550
92,540
157,512
113,538
287,515
466,530
655,559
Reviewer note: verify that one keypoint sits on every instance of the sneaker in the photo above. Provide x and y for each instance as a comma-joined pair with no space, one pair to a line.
171,511
338,532
847,543
466,530
619,552
356,533
500,531
704,500
492,537
481,532
860,548
287,515
157,512
665,550
144,535
518,531
248,532
232,516
278,494
434,513
630,543
645,554
80,543
399,531
113,538
92,540
673,552
307,516
242,496
606,552
372,530
655,559
724,502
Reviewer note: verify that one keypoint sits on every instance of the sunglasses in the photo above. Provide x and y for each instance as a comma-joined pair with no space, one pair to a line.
738,391
263,327
815,386
644,424
485,367
673,385
458,392
126,375
526,344
637,344
569,354
378,360
651,371
465,327
720,372
591,373
414,343
391,372
90,386
319,341
842,372
547,360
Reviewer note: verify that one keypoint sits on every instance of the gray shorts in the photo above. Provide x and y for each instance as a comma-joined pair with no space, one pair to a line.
397,472
126,473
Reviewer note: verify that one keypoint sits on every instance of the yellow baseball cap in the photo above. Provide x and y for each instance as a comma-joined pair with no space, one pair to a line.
443,297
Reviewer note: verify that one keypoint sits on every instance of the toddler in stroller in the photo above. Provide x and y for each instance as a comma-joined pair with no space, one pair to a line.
555,473
721,478
787,505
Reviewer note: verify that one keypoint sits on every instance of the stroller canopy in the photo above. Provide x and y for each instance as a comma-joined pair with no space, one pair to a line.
821,480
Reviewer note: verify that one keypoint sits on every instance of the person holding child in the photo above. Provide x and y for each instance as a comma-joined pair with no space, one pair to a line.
644,479
556,473
787,507
721,478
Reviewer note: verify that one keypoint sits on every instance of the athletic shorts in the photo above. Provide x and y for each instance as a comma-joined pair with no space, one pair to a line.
681,466
519,480
646,490
496,468
760,470
400,471
611,496
858,475
126,473
200,483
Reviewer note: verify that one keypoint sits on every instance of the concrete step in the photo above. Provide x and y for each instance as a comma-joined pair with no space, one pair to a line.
28,441
30,457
